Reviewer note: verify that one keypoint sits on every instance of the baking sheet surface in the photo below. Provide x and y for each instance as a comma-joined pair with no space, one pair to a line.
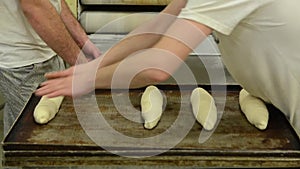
233,134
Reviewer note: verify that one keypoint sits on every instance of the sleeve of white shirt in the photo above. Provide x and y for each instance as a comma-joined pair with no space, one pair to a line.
220,15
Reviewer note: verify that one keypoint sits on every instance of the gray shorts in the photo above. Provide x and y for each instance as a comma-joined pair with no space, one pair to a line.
18,84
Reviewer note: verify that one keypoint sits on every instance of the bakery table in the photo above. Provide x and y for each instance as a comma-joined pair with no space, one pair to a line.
233,143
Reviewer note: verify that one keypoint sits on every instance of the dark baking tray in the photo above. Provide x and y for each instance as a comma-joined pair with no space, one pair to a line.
234,142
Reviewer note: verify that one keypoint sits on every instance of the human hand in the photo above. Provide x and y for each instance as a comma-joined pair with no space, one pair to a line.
75,81
90,50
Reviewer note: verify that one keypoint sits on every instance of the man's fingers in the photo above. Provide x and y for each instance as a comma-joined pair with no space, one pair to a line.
49,93
44,84
45,88
59,74
53,75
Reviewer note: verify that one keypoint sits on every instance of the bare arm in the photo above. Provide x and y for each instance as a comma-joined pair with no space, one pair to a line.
155,64
73,25
78,33
48,24
146,35
149,66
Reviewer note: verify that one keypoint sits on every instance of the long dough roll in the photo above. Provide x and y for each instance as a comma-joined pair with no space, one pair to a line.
254,109
46,109
204,108
152,106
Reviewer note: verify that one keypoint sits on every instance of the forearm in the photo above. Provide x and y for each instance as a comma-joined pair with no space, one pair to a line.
138,68
115,77
73,26
47,23
146,35
128,46
156,64
149,66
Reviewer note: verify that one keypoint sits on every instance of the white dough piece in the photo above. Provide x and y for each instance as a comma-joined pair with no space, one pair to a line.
152,106
204,108
46,109
254,109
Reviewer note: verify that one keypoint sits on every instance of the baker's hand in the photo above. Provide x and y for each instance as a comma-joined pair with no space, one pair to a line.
90,50
75,81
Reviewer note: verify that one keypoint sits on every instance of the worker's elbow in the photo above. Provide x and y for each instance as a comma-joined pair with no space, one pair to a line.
25,6
29,8
157,76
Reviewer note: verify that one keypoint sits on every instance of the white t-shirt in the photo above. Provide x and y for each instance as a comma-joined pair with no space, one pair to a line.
260,46
20,45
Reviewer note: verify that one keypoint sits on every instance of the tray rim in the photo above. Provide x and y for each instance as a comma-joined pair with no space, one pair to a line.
76,147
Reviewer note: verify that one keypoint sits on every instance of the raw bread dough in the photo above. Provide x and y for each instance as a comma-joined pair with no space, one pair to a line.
204,108
46,109
152,106
254,109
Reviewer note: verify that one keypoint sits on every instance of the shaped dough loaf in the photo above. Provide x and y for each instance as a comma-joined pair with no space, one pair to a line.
254,109
152,106
204,108
46,109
